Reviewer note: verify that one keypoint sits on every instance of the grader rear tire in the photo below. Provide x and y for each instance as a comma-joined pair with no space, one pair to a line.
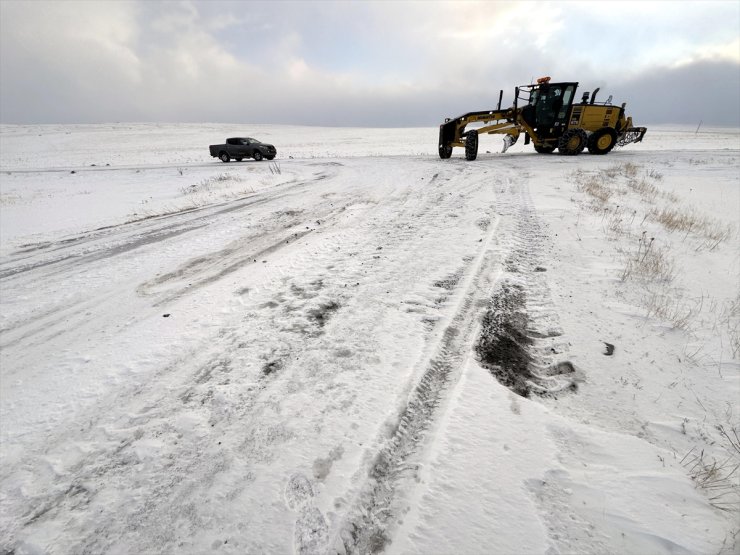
572,142
602,141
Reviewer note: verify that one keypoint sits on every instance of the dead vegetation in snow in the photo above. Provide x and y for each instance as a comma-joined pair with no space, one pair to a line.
209,184
719,478
652,230
647,228
688,221
603,186
649,261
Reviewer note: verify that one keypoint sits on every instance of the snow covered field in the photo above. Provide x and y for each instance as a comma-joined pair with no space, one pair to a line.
362,348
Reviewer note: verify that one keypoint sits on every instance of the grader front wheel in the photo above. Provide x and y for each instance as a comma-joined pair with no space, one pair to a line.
471,145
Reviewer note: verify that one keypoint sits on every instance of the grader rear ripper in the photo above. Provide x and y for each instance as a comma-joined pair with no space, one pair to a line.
548,117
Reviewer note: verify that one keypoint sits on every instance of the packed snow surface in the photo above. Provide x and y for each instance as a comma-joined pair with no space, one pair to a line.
361,348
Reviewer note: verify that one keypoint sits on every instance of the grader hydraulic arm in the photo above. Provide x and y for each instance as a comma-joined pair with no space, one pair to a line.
452,132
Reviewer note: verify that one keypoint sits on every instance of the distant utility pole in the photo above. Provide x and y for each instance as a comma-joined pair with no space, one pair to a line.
698,126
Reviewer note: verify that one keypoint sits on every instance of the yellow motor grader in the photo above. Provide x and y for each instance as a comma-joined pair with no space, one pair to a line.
549,118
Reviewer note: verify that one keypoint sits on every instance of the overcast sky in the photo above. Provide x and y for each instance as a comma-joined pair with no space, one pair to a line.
358,63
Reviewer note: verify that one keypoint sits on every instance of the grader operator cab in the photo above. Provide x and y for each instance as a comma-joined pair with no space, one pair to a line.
548,116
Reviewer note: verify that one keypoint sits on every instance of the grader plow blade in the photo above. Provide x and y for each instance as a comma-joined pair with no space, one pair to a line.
631,135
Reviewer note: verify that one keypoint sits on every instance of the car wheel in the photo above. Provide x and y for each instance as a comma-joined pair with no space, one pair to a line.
257,155
271,157
224,157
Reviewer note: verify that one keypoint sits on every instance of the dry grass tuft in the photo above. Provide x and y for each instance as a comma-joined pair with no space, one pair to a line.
654,174
671,307
718,478
675,219
206,185
688,221
735,340
596,188
627,170
630,169
650,262
730,317
601,186
644,188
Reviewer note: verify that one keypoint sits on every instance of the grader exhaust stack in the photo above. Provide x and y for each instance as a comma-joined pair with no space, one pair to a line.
549,118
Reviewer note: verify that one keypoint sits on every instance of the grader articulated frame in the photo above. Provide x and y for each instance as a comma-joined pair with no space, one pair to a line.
549,118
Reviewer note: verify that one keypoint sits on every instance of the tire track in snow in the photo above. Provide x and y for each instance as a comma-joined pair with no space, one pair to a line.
110,241
82,256
211,267
369,526
519,342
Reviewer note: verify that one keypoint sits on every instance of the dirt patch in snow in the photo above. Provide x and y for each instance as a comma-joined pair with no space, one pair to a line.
323,312
504,348
503,345
271,367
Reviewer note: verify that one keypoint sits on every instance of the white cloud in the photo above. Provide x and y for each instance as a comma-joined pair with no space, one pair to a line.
722,51
298,69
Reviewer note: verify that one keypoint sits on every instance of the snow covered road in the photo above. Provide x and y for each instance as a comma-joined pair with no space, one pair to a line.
313,290
282,358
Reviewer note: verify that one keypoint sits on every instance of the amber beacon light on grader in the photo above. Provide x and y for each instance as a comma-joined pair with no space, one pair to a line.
549,118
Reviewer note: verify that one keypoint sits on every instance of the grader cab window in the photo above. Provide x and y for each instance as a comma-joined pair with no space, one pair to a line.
551,104
567,99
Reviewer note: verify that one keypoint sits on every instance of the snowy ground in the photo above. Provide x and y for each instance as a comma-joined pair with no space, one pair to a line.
360,347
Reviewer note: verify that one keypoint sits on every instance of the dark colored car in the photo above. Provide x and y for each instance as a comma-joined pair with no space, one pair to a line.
240,148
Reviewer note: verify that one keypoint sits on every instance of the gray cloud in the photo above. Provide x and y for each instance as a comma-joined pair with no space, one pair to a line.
706,90
363,64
